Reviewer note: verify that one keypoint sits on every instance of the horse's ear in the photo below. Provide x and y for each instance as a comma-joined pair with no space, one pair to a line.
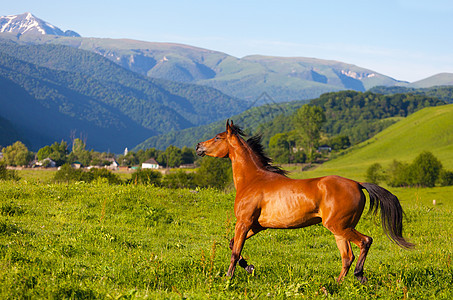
229,130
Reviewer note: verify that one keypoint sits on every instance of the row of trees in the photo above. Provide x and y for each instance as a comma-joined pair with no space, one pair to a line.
425,171
211,173
19,155
171,157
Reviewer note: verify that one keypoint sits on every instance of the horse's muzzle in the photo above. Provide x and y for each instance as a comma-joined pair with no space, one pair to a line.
200,149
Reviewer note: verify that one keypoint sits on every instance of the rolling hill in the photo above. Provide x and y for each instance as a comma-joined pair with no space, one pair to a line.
436,80
429,129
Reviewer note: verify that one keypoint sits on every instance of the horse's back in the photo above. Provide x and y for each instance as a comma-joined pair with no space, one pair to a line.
291,203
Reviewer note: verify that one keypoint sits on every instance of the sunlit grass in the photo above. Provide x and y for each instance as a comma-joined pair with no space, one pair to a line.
100,241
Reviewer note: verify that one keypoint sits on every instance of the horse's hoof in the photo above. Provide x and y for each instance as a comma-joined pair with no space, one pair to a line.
362,279
250,269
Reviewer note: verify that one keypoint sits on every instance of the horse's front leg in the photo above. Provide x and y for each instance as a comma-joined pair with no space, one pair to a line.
240,234
242,262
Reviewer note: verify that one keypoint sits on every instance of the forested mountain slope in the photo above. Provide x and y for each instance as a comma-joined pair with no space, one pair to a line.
355,114
77,90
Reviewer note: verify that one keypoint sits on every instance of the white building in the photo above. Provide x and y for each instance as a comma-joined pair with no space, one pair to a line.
150,164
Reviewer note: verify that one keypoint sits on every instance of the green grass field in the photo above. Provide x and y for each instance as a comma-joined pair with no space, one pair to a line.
87,241
99,241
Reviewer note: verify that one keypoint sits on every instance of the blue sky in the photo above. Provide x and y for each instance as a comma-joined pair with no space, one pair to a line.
407,40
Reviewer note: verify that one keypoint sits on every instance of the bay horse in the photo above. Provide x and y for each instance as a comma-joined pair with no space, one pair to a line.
267,198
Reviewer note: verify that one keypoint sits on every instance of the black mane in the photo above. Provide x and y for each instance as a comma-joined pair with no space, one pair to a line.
255,144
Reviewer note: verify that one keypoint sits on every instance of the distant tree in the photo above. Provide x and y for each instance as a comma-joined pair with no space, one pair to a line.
44,152
399,174
57,152
280,148
130,159
144,155
339,142
17,154
78,146
214,172
425,170
446,178
308,122
68,174
172,157
188,155
374,173
79,152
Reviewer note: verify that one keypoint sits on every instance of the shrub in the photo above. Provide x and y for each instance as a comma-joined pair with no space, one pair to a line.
146,176
425,170
374,173
214,172
446,178
6,174
398,174
68,173
179,179
17,154
104,173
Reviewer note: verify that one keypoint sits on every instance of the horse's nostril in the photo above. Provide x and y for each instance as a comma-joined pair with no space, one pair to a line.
200,150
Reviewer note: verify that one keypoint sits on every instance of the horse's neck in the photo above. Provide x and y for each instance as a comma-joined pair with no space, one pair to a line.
245,166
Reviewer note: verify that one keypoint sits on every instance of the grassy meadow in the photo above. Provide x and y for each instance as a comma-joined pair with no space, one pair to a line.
85,241
100,241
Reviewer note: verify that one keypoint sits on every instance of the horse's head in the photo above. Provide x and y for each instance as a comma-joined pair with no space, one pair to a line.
218,146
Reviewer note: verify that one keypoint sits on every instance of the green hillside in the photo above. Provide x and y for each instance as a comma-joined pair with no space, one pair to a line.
354,114
429,129
49,91
8,134
250,120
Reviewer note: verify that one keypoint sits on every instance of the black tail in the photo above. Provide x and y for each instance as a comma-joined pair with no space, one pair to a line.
391,213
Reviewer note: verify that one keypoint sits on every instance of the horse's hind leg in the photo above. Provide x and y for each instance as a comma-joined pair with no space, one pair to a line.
347,257
364,243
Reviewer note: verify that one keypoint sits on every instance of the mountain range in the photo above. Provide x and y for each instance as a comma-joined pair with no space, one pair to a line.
50,92
119,92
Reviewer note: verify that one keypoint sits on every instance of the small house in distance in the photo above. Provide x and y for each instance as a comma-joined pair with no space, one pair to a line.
150,164
113,164
76,165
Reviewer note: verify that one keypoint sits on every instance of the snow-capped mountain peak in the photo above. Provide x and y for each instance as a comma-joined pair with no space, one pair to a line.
27,23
